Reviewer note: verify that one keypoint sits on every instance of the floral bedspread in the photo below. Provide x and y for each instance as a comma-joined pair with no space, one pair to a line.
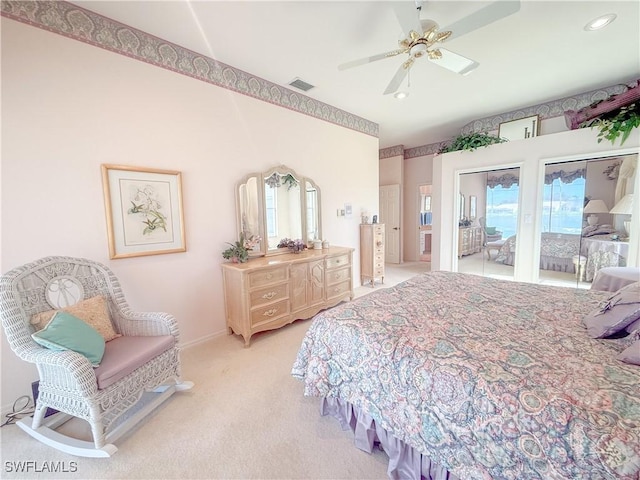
488,378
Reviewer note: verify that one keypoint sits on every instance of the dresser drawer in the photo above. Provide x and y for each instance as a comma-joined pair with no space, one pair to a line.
268,276
338,275
339,261
268,313
269,294
338,289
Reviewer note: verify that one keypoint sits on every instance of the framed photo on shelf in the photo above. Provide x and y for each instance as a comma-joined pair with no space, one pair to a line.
519,129
144,211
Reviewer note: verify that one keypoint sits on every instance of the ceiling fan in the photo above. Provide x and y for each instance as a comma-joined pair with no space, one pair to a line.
423,36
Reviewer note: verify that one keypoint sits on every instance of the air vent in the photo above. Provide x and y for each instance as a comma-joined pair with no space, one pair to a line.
301,85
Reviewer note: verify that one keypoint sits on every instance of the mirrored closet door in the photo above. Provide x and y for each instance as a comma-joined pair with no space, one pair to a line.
583,220
486,236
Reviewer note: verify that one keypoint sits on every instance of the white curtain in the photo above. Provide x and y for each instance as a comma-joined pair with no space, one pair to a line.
627,170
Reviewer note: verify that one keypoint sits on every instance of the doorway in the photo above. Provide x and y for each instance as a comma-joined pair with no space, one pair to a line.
390,216
424,223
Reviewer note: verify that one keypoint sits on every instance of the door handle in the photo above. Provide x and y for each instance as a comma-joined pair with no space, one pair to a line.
396,228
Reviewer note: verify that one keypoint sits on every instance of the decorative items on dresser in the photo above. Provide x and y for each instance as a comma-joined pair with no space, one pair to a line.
371,252
469,240
270,292
290,273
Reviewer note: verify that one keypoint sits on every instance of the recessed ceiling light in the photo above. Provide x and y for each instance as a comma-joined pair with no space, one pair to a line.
600,22
401,95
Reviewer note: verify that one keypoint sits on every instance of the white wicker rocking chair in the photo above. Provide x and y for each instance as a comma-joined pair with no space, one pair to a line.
68,381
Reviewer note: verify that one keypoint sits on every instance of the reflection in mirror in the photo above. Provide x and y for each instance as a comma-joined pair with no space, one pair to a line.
487,245
282,206
313,215
249,210
276,205
581,232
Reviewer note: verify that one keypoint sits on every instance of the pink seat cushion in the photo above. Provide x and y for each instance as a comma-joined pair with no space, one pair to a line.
123,355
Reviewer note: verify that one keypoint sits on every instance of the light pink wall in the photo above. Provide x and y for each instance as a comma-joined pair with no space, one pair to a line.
417,171
68,107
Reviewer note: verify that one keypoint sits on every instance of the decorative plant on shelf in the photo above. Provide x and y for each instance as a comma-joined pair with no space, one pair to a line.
616,123
294,246
238,252
471,141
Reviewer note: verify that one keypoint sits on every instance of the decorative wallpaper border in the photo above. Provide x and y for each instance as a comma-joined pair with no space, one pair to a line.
85,26
552,109
391,151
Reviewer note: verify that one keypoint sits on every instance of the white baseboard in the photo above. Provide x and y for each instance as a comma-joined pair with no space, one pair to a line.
204,339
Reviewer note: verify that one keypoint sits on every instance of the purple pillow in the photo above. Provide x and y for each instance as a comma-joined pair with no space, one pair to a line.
631,354
616,313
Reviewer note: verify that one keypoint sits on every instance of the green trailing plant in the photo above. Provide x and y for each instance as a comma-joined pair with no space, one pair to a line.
616,124
471,141
238,252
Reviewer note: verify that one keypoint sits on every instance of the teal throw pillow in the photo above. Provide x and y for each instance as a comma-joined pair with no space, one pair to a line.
67,332
491,230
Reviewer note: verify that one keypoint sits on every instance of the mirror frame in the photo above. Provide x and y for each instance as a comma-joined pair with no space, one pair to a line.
262,248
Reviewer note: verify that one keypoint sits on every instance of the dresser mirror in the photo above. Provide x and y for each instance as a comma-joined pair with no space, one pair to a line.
278,204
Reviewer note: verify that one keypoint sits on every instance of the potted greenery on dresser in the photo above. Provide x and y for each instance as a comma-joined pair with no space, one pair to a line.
238,252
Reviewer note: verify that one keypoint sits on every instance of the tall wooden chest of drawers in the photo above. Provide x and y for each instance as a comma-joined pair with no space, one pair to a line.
371,252
269,292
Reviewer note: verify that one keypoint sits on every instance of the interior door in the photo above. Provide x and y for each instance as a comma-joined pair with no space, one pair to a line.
390,216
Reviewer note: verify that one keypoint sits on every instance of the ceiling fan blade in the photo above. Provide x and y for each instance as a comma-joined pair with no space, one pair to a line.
454,62
408,17
397,79
489,14
364,61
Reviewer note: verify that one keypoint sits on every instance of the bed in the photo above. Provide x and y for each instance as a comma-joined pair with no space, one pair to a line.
558,249
462,376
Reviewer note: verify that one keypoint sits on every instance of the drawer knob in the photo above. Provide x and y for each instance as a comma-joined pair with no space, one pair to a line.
337,261
269,276
269,295
337,289
270,313
379,243
338,276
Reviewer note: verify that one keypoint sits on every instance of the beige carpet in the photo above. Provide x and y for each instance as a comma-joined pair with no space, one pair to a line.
245,418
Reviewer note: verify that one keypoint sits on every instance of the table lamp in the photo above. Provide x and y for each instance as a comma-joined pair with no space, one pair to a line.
624,207
593,207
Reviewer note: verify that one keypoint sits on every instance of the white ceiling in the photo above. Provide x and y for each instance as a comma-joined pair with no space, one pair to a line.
538,54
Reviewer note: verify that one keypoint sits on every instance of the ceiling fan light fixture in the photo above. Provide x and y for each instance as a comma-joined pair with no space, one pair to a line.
401,95
600,22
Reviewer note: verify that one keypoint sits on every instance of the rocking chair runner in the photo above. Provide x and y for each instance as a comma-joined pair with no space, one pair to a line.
142,359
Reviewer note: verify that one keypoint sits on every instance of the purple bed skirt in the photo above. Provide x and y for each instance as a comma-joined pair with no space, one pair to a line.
405,462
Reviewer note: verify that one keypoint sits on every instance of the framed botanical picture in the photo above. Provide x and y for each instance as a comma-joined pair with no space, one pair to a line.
144,211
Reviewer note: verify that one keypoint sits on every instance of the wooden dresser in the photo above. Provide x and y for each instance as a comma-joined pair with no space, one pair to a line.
469,240
269,292
371,252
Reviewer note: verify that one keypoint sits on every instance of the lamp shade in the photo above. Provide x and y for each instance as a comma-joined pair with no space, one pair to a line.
624,206
596,206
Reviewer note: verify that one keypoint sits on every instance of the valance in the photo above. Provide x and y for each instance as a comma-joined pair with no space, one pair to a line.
565,177
505,180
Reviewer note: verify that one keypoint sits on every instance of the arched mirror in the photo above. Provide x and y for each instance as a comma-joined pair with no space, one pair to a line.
278,204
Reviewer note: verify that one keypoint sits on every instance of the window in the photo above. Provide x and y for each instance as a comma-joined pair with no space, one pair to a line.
562,206
502,208
270,199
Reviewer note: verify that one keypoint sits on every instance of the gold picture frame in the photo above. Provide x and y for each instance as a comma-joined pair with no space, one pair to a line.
144,211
